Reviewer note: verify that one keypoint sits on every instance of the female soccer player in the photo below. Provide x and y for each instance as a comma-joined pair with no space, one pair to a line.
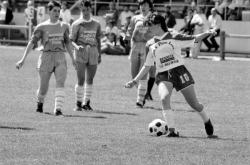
139,35
54,36
85,35
165,51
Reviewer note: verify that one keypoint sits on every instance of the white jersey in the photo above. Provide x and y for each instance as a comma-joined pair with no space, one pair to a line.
165,51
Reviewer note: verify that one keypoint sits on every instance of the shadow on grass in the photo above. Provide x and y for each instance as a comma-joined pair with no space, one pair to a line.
114,113
17,128
152,108
216,138
77,116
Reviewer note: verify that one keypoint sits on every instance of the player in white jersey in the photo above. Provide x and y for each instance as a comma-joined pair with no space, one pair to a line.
85,35
54,37
164,51
139,35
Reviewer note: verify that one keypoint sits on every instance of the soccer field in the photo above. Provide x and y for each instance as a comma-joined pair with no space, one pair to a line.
115,133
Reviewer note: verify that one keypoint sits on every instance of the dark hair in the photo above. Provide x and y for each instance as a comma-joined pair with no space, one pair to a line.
154,19
150,3
86,3
53,4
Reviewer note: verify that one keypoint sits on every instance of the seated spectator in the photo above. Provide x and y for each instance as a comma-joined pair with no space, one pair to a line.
65,14
125,14
111,46
214,22
111,43
169,18
112,13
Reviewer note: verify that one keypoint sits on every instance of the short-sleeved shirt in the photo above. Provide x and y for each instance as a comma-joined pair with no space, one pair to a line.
86,32
53,36
165,51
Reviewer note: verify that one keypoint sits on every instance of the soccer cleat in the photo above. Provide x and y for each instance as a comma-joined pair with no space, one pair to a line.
39,107
58,112
78,106
87,106
173,134
140,105
148,96
209,128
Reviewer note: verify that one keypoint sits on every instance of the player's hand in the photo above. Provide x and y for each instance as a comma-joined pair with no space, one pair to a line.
99,59
19,64
80,47
130,84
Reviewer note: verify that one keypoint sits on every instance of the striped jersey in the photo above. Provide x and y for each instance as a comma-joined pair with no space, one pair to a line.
53,36
86,32
136,30
165,51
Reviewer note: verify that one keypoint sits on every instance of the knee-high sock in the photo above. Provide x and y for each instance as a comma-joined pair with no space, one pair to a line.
40,98
79,93
141,91
203,116
88,89
151,82
59,98
169,117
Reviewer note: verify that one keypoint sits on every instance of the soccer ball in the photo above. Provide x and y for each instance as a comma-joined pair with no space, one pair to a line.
158,127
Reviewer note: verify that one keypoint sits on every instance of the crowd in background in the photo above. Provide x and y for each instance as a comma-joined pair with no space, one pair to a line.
196,19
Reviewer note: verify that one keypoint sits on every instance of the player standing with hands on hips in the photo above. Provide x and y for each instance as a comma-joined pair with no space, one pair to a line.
85,35
165,51
54,36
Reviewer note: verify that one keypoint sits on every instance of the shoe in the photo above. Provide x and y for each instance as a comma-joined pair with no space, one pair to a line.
173,134
148,96
209,128
58,112
39,107
78,106
87,106
140,105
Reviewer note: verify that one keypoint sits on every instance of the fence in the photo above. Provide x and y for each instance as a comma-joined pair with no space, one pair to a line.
223,36
11,27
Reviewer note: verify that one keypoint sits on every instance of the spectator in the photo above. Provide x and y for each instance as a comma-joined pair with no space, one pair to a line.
125,14
113,13
65,14
214,22
6,17
30,14
169,18
198,24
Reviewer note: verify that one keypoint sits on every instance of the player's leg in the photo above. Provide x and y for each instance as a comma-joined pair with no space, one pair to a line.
142,86
44,78
165,91
151,82
79,87
190,96
88,88
60,76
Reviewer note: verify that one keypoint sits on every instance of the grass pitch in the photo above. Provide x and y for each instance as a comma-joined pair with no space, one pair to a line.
116,132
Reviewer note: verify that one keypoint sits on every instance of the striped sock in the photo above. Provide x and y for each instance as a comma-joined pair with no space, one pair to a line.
141,92
88,90
78,93
169,117
59,98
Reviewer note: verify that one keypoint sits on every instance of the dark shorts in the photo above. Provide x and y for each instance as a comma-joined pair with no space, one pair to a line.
179,77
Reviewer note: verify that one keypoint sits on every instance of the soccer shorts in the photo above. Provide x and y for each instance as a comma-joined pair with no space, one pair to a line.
138,51
88,55
49,61
179,77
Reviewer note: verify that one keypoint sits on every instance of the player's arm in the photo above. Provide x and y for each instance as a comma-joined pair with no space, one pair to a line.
68,45
37,34
73,36
144,70
98,39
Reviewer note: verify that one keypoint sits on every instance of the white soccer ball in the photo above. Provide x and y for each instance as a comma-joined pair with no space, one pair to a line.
158,127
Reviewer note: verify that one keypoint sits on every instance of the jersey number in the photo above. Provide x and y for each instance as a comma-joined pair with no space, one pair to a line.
184,78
